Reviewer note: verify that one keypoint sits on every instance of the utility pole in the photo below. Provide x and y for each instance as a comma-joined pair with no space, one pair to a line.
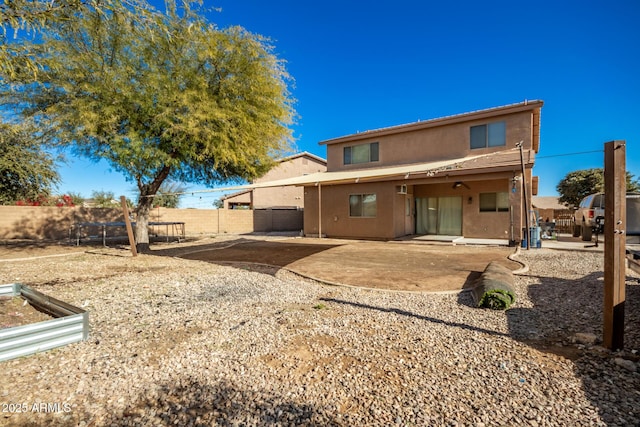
524,196
615,225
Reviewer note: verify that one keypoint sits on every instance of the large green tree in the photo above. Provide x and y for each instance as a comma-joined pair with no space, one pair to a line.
26,18
578,184
159,96
26,171
34,14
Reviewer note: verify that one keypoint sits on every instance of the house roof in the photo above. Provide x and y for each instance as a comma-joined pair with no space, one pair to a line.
546,202
447,120
303,154
282,160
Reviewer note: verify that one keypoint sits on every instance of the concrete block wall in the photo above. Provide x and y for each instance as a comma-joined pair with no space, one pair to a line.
49,222
235,221
53,223
197,221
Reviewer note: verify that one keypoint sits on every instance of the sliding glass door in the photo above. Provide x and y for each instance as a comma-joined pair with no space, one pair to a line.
439,215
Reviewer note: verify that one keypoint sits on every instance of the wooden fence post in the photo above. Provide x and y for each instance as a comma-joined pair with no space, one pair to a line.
615,225
127,222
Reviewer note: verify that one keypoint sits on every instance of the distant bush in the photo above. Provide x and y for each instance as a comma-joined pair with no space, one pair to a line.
65,200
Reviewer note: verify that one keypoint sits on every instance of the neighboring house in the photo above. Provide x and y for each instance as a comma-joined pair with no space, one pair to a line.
456,176
548,207
278,197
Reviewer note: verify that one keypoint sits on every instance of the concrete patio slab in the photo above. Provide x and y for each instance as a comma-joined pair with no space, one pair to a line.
394,266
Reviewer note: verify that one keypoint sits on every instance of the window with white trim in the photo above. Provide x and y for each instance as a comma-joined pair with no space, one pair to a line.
363,153
489,135
363,205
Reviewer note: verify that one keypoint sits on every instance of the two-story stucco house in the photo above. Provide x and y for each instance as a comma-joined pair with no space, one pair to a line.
290,197
456,176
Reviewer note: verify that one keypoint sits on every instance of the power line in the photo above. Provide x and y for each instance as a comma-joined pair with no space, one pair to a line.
240,187
569,154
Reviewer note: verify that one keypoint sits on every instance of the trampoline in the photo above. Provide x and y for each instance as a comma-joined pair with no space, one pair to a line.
82,230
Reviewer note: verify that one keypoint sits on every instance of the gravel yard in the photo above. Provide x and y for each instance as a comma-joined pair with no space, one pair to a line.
184,342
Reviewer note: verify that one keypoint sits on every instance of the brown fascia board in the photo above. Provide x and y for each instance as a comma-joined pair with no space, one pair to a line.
479,174
505,162
442,121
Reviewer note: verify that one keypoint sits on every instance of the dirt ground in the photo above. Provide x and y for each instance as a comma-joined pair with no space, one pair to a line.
397,266
14,311
12,250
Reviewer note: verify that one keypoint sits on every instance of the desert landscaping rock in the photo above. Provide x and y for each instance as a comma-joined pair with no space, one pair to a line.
585,338
185,342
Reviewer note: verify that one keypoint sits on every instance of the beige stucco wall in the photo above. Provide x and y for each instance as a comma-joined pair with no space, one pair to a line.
391,220
52,223
476,224
435,143
335,211
286,196
47,222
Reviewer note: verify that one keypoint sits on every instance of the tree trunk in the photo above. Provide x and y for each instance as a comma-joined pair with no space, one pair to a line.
142,224
143,211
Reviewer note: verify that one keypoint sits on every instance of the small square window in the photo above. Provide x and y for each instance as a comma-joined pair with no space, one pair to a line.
347,155
478,136
363,153
487,202
502,201
494,202
496,134
360,153
489,135
373,157
362,205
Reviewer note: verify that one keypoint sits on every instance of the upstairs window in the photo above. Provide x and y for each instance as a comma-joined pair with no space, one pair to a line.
489,135
363,153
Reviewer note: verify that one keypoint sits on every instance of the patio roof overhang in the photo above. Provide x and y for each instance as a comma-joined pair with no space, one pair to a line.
498,161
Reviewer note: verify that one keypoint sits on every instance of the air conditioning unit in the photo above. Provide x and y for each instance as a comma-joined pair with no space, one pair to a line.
402,189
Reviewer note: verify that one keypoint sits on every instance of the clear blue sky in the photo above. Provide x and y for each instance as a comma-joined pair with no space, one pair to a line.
361,65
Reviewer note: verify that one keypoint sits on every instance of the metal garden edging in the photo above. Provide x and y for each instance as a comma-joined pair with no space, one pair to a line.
71,324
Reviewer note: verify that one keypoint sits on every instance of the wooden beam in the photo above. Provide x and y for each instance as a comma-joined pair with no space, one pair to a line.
615,223
127,221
